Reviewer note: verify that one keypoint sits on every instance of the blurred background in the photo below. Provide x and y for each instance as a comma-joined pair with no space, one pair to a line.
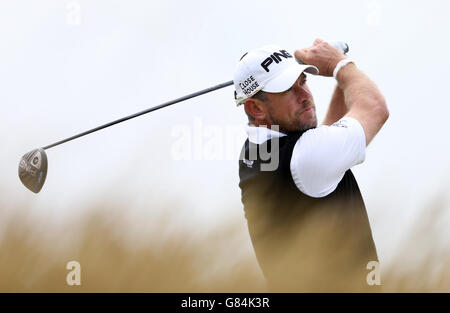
153,204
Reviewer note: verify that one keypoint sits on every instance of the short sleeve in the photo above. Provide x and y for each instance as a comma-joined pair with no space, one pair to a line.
322,155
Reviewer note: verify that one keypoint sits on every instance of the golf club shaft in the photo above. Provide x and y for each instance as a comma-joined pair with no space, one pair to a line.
192,95
340,45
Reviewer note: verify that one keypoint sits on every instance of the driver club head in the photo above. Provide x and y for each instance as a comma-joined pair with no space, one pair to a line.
33,169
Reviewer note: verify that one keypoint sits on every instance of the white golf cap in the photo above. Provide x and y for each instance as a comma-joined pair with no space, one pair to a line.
270,69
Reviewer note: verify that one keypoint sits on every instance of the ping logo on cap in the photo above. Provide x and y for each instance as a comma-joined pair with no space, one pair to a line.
276,56
270,69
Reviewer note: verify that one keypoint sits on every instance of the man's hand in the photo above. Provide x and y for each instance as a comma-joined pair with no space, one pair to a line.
322,55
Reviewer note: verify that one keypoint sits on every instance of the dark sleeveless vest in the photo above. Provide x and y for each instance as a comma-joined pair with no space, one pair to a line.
304,243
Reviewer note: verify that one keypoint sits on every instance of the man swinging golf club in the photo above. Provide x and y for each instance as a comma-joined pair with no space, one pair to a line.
306,216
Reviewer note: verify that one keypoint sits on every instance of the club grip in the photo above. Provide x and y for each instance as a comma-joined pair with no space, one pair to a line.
341,46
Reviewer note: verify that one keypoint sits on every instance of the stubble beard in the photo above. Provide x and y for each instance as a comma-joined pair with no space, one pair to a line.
296,125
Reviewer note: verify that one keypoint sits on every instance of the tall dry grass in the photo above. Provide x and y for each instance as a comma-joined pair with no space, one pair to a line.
172,258
422,262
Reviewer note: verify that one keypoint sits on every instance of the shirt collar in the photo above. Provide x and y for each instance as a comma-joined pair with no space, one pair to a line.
259,135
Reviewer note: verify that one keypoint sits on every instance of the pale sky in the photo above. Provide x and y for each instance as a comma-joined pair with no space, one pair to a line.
68,66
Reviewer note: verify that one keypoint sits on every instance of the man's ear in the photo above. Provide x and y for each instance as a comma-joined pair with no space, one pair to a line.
255,108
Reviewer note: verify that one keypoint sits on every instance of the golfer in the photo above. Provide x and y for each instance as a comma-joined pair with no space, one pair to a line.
305,213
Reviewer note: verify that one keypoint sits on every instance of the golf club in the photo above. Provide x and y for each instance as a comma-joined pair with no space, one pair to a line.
34,164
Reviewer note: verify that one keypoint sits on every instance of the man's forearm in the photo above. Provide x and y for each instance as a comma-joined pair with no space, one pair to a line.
337,108
365,102
359,91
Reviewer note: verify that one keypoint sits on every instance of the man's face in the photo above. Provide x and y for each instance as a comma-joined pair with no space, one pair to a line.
293,109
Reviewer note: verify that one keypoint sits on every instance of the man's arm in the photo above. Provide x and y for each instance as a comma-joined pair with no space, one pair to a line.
366,103
362,97
337,108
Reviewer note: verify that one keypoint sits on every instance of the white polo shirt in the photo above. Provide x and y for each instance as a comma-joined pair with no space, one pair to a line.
322,155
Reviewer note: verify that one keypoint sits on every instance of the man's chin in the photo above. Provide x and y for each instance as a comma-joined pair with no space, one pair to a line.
301,127
308,125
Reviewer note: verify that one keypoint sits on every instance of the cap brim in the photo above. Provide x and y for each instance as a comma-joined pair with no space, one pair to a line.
287,78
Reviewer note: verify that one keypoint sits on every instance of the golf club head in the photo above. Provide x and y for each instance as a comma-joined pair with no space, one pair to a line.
33,169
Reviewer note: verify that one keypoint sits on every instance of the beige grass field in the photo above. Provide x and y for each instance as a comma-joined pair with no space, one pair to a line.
117,256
